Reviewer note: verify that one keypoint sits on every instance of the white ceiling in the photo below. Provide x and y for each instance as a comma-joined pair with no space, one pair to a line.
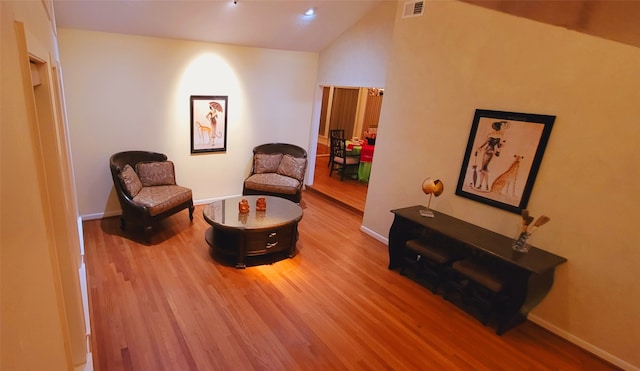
273,24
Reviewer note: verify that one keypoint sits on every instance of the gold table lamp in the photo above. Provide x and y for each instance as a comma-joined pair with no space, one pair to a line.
431,187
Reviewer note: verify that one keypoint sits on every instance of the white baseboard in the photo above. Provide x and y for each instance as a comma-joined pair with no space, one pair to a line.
375,235
95,216
207,201
87,366
84,293
108,214
582,343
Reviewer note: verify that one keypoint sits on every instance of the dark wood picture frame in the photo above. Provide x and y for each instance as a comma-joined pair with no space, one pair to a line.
208,123
502,158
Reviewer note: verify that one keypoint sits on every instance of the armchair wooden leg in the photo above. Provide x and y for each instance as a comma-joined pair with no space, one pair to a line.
191,209
147,233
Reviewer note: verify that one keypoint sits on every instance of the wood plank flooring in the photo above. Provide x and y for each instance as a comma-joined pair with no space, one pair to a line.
168,305
351,193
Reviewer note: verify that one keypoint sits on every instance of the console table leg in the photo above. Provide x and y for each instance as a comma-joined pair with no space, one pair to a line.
527,295
510,323
398,235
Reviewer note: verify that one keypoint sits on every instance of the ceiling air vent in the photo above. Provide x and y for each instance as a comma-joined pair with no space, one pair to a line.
413,9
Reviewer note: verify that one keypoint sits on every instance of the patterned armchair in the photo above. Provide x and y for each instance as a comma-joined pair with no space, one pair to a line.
146,187
278,170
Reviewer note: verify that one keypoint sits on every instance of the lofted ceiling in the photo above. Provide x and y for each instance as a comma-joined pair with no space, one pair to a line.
273,24
280,24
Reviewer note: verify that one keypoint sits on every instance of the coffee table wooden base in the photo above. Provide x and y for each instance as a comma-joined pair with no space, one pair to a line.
267,233
271,246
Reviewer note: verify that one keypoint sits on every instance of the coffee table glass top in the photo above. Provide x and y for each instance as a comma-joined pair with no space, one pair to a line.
225,213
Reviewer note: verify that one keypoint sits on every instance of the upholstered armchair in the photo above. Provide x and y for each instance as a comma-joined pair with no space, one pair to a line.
146,187
277,170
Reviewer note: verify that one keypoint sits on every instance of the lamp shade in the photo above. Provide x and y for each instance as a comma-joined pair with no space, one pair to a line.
435,187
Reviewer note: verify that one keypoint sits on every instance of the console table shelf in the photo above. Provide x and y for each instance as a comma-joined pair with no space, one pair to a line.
528,277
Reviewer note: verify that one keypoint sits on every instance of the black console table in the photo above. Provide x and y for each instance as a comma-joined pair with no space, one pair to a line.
530,275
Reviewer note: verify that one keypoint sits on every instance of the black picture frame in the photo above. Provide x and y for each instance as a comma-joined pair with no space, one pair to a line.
208,123
502,158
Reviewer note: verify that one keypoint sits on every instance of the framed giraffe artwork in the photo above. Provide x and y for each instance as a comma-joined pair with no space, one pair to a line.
502,158
208,123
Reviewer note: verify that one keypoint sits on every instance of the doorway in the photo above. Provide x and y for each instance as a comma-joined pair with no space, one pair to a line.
355,110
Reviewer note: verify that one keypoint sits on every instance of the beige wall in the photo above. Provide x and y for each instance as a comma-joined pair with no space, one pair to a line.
358,58
129,92
459,57
42,318
443,66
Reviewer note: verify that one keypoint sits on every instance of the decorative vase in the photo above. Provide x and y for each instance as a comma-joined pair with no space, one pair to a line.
521,243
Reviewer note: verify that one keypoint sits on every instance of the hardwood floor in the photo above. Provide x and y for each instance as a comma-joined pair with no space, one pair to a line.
168,305
351,193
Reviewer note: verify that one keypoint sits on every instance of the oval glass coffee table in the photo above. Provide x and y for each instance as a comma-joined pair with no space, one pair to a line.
272,232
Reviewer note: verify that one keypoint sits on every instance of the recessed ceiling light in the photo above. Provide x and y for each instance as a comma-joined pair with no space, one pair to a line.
310,12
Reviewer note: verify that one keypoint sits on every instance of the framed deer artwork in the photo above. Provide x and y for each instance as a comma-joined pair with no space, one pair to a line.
502,158
208,123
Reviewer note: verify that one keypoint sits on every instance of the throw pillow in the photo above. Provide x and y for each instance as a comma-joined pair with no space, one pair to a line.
267,163
156,173
130,181
292,167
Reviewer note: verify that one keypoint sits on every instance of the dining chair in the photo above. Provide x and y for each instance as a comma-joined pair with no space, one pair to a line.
336,133
339,133
341,158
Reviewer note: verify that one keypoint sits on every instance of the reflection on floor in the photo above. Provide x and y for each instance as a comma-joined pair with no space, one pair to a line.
350,193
